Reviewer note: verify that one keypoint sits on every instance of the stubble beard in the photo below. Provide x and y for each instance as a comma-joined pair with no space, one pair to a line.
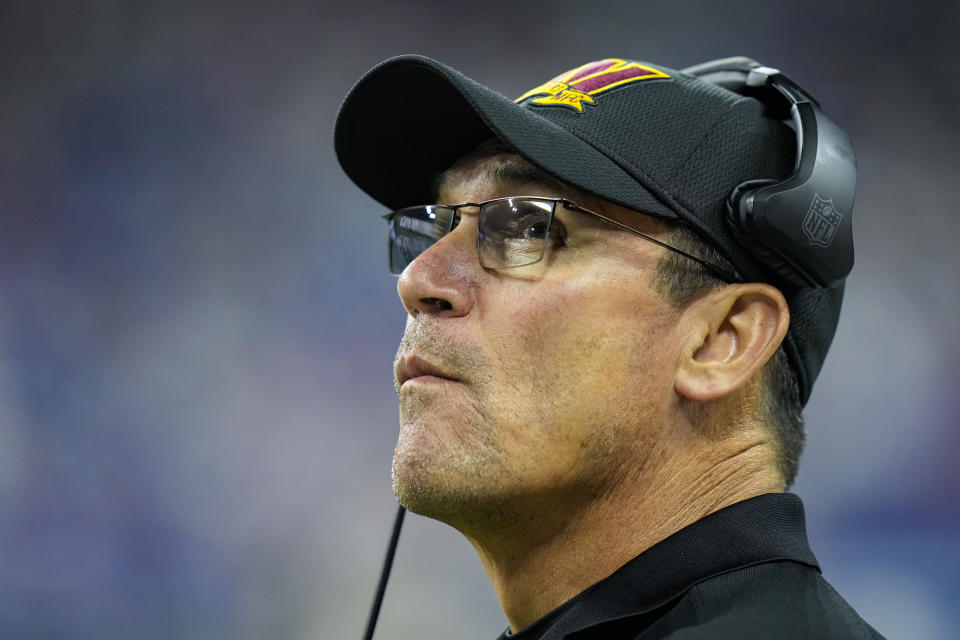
448,460
457,470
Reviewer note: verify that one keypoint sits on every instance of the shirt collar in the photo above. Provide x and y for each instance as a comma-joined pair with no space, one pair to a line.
766,528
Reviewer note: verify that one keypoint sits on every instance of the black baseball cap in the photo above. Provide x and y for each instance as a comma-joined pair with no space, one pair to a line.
654,139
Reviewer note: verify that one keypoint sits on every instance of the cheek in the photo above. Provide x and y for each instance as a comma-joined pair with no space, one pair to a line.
576,351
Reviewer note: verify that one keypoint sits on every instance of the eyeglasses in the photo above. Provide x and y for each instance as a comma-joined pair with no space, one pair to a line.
511,232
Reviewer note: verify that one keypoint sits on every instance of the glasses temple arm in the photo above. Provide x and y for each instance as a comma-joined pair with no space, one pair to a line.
724,274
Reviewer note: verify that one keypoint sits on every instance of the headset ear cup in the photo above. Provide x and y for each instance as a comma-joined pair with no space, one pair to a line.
738,211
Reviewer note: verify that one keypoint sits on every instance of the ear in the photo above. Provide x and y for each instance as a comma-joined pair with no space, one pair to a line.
732,333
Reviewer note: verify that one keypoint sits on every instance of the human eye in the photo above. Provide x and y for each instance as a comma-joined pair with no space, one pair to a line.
529,226
531,220
516,231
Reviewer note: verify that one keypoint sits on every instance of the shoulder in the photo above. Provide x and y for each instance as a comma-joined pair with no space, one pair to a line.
780,599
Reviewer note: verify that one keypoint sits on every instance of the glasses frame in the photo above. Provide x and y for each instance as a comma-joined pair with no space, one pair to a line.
722,273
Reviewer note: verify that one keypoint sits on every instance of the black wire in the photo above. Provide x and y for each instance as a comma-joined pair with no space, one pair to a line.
384,575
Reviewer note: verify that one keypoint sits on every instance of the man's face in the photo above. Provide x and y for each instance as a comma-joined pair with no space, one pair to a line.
549,382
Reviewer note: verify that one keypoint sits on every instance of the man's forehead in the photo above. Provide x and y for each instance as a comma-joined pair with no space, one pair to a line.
489,169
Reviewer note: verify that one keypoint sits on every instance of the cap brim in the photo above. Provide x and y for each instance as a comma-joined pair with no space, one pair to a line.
410,118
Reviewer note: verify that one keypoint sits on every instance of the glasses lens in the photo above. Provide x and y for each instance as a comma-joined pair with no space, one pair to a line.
513,232
413,231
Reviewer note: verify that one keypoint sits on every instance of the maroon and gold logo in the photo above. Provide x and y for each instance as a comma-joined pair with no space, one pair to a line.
576,87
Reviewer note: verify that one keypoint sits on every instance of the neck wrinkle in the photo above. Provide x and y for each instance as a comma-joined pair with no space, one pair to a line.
535,565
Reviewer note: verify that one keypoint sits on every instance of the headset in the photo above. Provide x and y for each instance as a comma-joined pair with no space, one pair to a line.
799,228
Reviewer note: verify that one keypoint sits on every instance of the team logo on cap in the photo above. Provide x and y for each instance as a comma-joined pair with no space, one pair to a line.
576,87
822,221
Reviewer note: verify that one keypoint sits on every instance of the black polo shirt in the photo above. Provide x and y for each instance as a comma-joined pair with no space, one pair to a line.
743,572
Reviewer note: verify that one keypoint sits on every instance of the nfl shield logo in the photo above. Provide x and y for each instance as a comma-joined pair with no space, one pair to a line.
822,222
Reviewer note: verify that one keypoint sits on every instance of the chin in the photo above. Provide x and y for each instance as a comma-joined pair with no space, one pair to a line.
421,477
450,484
428,495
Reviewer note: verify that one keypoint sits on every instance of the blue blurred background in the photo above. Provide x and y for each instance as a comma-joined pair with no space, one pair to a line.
196,326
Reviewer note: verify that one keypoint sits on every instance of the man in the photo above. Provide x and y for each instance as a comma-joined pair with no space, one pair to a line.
600,381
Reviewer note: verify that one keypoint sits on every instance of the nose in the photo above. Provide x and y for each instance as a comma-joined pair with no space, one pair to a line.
442,281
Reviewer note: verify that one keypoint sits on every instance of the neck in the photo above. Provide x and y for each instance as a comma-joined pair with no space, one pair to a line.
538,560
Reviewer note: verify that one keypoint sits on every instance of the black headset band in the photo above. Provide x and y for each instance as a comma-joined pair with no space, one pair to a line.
798,228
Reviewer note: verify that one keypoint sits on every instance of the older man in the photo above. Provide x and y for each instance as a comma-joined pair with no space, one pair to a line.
600,381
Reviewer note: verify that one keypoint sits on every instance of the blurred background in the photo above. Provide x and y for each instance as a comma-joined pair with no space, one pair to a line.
196,325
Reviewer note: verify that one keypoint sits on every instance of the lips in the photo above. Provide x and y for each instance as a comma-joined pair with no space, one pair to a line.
413,366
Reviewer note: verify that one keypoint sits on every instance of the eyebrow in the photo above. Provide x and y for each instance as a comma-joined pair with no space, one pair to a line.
515,170
524,174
